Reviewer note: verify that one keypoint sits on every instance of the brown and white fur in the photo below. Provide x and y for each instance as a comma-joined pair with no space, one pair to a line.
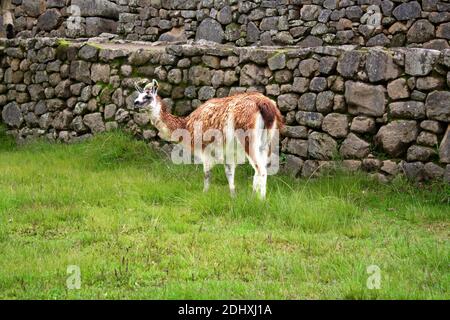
245,112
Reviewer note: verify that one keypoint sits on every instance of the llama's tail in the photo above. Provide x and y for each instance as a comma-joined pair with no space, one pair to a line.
270,114
273,121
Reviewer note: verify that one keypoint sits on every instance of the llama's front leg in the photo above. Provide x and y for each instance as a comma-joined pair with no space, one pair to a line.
229,171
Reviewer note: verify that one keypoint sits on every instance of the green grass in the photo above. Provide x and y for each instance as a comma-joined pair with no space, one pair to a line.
140,227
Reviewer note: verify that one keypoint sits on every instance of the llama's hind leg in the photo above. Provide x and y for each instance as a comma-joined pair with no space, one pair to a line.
229,171
251,159
254,153
260,177
261,151
264,159
207,167
263,178
253,156
255,186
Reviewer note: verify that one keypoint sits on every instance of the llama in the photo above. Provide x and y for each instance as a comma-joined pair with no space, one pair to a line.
250,119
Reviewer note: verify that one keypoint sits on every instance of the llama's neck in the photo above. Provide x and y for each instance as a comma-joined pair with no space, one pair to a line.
164,121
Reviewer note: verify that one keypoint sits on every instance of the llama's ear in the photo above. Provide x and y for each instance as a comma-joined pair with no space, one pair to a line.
137,87
155,87
140,85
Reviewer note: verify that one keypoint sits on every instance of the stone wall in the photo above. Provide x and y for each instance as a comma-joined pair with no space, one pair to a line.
303,23
67,18
385,111
292,22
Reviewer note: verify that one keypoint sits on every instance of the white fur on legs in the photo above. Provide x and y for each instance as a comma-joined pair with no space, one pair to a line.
262,184
258,157
264,160
255,177
230,156
253,162
207,166
256,182
229,171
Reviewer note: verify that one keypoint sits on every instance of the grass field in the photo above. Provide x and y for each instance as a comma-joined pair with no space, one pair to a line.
139,227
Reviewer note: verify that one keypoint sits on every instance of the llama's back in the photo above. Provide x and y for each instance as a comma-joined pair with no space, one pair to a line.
242,108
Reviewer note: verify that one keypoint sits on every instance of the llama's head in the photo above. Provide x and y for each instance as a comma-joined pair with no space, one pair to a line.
147,94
